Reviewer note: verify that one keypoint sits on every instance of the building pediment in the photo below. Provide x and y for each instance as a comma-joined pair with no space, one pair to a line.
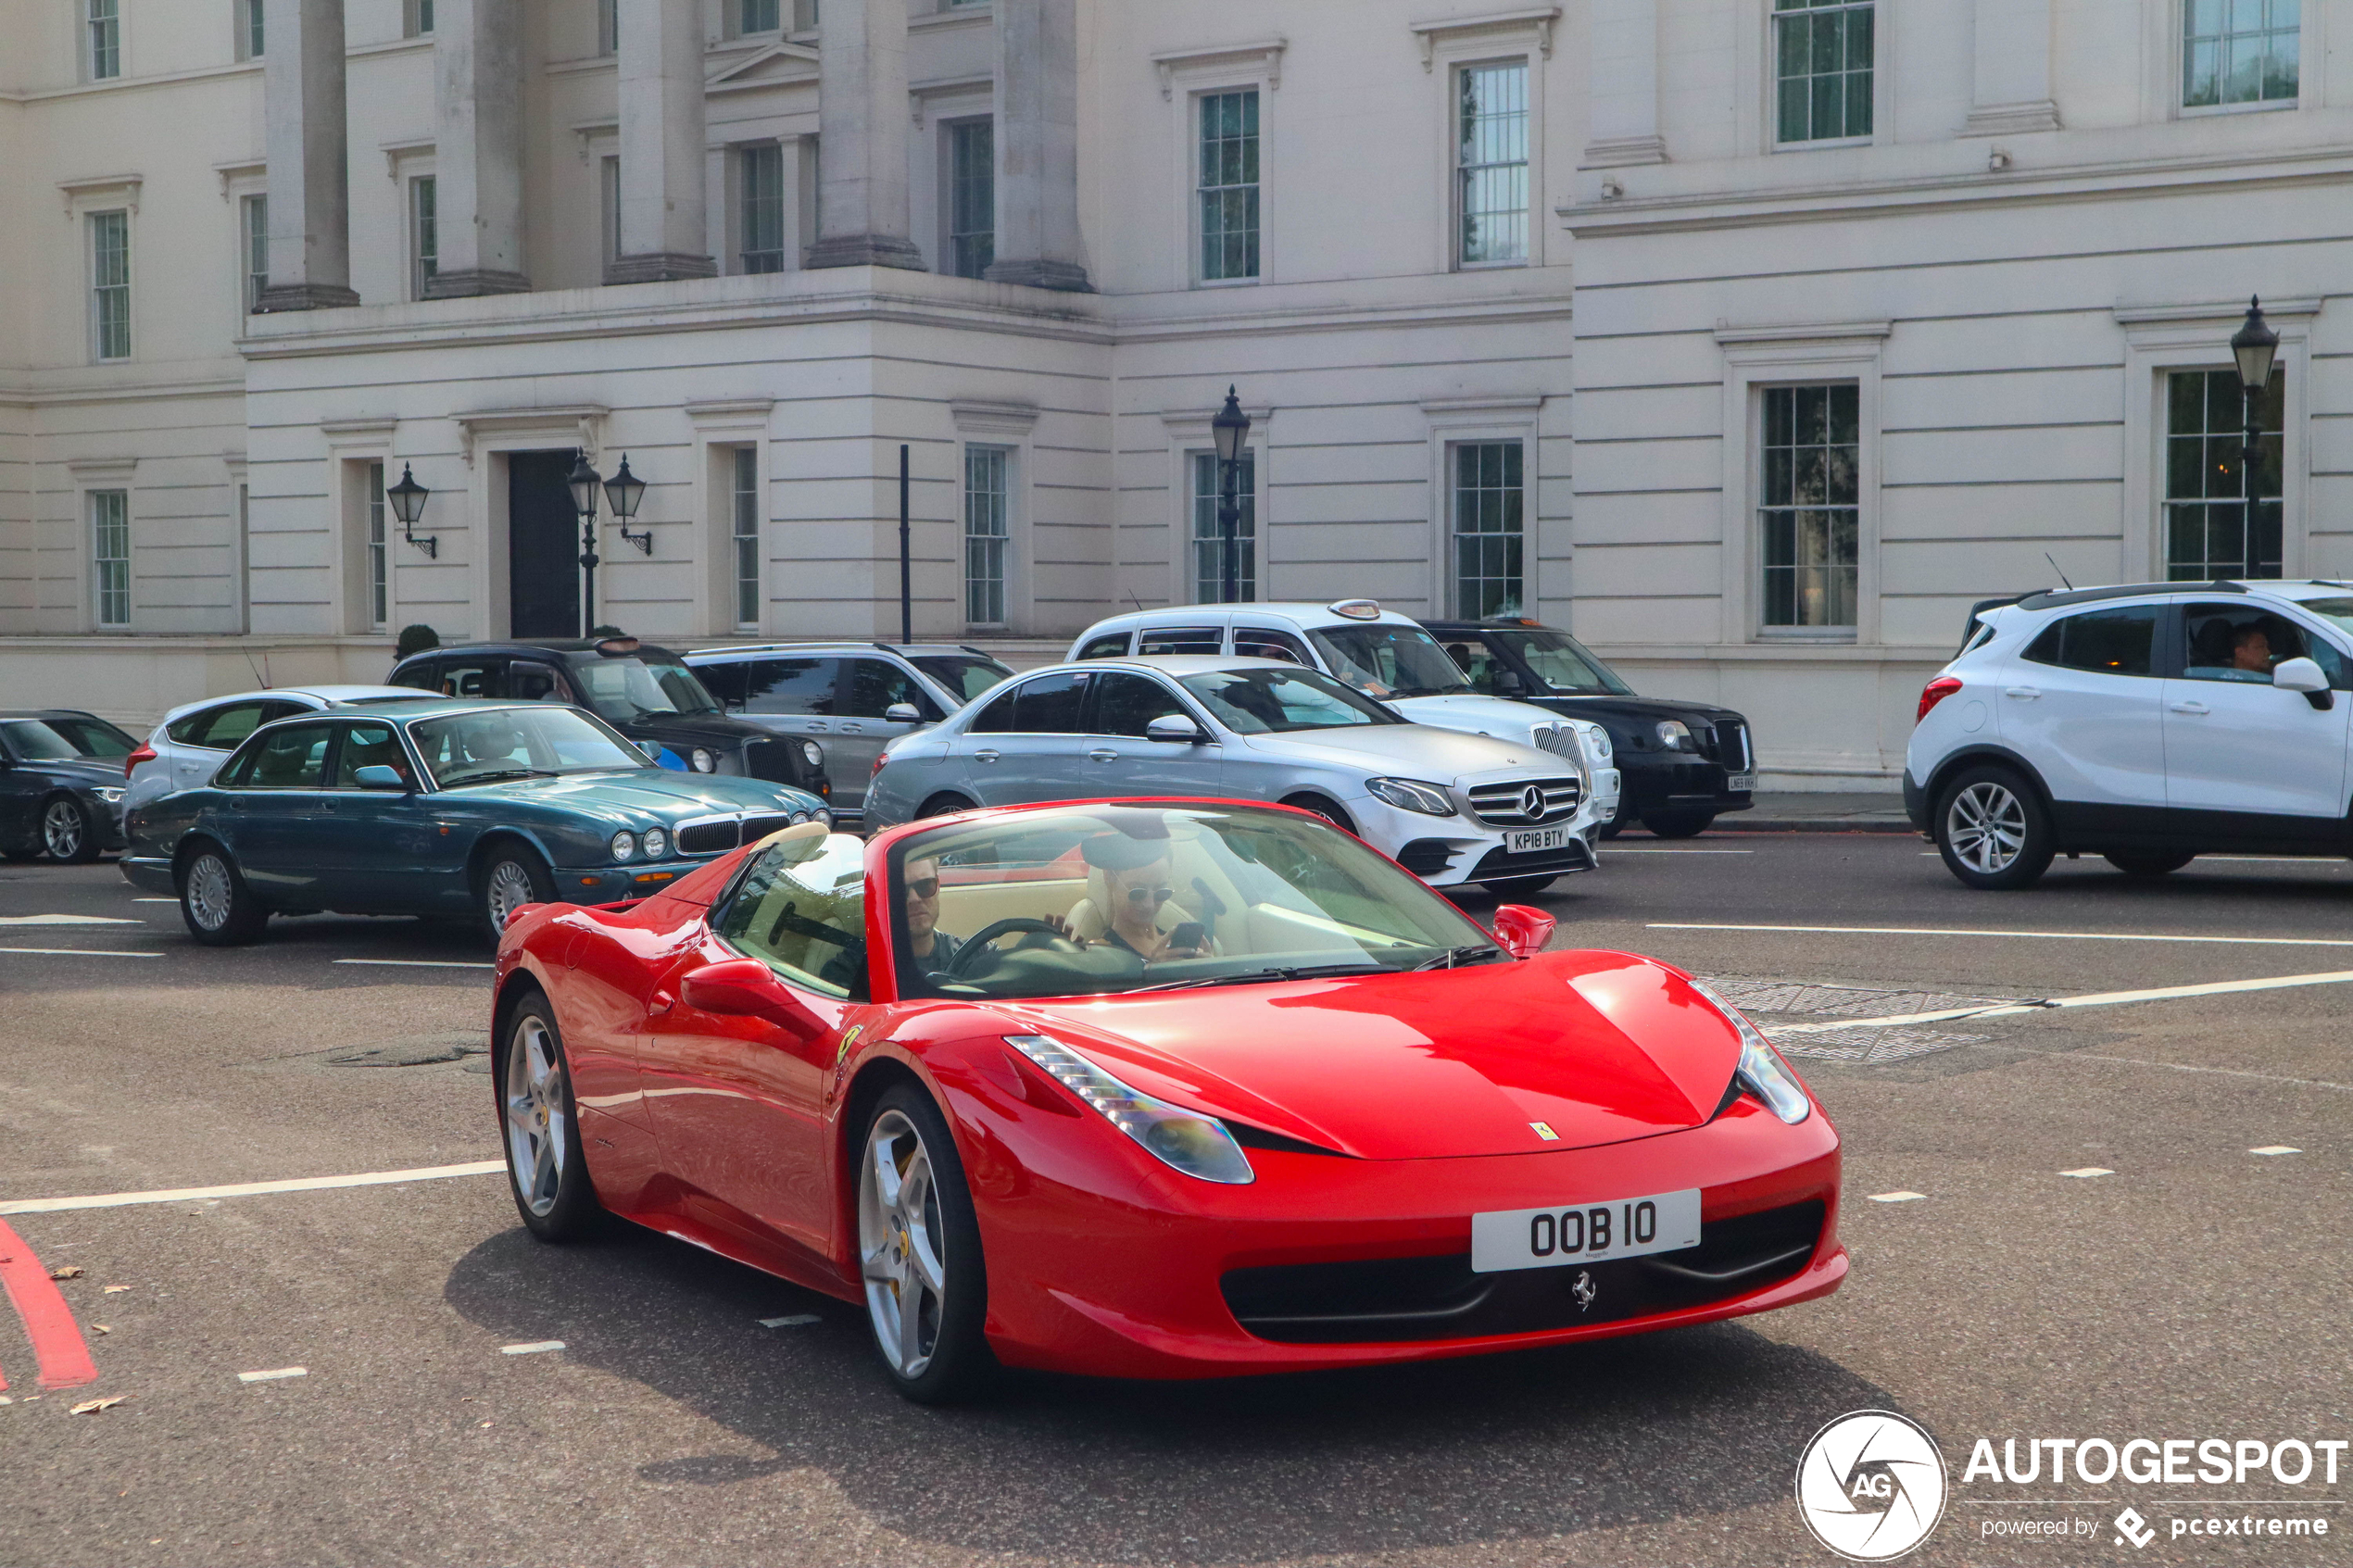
778,65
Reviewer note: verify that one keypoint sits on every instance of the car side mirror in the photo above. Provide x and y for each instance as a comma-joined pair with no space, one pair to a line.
903,713
1523,931
2299,676
748,988
377,776
652,749
1175,729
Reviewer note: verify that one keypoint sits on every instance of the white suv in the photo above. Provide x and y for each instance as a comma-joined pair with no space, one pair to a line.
2147,724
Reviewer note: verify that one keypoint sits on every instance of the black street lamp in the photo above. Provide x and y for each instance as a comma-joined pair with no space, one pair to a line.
2253,345
584,482
623,492
408,499
1231,430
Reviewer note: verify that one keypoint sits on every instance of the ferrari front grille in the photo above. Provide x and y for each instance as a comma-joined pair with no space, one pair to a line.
1507,804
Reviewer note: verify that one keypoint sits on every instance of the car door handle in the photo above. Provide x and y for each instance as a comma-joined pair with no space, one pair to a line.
986,756
850,729
1103,753
2024,694
2190,707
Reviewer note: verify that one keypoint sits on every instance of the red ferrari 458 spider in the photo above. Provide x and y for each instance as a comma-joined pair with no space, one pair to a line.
1154,1089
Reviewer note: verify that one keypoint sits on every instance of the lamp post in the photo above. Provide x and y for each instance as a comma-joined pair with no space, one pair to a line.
623,492
408,499
1231,430
584,482
2254,346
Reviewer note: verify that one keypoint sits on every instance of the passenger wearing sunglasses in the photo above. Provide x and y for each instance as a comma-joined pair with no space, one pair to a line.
1139,887
934,949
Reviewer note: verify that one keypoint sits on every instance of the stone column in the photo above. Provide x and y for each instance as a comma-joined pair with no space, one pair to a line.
477,87
662,144
861,144
2011,82
310,159
1625,85
1037,72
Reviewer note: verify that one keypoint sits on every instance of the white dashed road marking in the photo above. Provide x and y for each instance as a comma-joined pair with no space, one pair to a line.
249,1189
78,953
416,963
2095,1000
67,919
2041,936
796,1321
274,1374
2089,1171
2275,1148
1897,1196
535,1348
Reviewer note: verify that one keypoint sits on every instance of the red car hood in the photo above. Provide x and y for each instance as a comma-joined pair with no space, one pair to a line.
1599,1046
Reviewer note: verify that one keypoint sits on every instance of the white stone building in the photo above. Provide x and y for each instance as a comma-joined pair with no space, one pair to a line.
1749,339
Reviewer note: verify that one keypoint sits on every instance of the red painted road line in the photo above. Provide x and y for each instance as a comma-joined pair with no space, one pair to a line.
57,1345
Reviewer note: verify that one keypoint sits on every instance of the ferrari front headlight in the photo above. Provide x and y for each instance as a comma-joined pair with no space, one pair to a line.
1197,1145
1762,1072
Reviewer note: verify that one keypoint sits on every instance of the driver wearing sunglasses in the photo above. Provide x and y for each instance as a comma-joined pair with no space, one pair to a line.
933,948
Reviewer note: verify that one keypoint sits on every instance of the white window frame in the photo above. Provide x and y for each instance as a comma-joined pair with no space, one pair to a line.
1186,76
129,285
1011,459
949,128
739,165
1463,421
249,202
251,16
1756,359
1196,106
355,451
607,29
412,228
608,213
1757,92
2160,340
787,13
416,19
739,495
86,47
1189,433
721,429
2161,42
239,544
93,498
1447,50
1010,427
1773,79
1530,76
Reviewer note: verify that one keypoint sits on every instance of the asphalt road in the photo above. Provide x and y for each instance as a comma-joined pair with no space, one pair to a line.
2198,1290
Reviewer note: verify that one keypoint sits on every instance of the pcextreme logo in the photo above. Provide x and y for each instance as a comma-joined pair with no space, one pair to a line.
1871,1486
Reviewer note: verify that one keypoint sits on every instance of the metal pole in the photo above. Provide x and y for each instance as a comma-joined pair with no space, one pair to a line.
906,558
589,574
2250,456
1229,518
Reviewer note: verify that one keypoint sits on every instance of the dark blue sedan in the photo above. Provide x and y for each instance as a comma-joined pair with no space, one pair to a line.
450,806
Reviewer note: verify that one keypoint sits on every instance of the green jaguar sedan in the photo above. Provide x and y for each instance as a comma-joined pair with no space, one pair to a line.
450,806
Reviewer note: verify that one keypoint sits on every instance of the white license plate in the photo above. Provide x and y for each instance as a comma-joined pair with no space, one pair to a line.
1588,1233
1740,781
1530,841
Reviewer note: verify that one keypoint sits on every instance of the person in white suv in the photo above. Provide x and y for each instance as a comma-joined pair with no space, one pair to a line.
2147,724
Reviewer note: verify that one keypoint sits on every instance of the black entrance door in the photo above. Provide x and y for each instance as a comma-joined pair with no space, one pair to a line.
543,546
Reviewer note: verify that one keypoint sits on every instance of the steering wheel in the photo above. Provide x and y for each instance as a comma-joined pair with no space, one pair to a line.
968,956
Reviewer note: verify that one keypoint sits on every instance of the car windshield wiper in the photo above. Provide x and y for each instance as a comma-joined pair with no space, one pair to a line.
497,773
1479,952
1252,976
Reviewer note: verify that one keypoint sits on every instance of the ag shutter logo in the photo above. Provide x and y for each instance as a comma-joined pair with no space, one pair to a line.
1871,1486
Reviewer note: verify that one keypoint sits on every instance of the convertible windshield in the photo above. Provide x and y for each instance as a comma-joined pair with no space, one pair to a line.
1103,900
1562,663
57,740
966,676
625,690
1388,660
463,748
1258,702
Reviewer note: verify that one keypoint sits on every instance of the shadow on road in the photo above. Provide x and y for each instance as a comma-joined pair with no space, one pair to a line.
1625,1432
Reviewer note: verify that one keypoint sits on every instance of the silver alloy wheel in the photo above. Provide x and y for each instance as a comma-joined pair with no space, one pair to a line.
899,1235
509,889
61,830
538,1141
210,892
1986,826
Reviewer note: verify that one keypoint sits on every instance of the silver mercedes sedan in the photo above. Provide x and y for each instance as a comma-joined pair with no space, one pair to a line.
1452,808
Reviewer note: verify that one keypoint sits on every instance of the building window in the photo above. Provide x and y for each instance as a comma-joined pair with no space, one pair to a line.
609,200
379,580
744,512
249,34
1229,191
987,508
1209,538
1490,169
1488,511
2239,51
110,555
416,18
2207,537
972,196
424,234
607,27
763,207
110,285
1811,508
759,15
255,213
102,30
1823,48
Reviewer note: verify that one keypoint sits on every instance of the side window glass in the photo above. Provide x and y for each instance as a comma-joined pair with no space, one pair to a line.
1000,717
1266,642
802,910
533,683
1124,704
368,745
790,685
224,729
424,675
292,757
1480,668
877,683
1054,705
1181,639
2237,642
1115,645
468,678
2101,642
724,682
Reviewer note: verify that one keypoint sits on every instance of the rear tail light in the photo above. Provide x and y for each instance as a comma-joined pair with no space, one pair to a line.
882,759
144,753
1936,691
